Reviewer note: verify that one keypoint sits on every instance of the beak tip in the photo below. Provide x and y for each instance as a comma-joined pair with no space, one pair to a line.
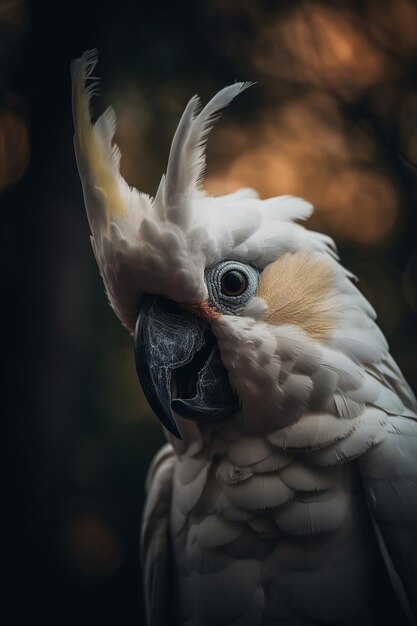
171,425
176,432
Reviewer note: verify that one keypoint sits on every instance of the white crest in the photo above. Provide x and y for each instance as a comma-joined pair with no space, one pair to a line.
162,245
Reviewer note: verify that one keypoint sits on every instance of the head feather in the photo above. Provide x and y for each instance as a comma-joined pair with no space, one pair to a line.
163,246
187,158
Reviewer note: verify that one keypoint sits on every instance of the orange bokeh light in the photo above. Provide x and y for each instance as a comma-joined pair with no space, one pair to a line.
14,148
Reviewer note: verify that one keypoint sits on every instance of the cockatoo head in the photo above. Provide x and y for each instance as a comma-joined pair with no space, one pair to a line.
226,296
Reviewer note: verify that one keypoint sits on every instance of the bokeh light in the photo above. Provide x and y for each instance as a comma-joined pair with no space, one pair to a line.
92,549
14,148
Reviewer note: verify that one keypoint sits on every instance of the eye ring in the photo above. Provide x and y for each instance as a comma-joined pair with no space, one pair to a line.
233,283
230,285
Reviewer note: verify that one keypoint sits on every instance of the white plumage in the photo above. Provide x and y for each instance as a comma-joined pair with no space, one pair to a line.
285,512
162,245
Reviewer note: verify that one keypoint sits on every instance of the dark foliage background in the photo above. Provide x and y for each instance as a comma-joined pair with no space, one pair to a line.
333,118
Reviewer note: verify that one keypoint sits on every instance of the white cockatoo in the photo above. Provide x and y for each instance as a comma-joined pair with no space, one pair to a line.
287,493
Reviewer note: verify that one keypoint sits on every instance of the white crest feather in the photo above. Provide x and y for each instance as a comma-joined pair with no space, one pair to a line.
187,159
163,246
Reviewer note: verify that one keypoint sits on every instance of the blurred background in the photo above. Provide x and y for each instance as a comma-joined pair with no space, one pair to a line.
333,118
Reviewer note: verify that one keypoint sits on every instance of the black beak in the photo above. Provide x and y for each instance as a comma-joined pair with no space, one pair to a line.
179,366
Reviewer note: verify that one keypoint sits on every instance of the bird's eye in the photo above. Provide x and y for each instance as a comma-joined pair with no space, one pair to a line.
233,283
230,285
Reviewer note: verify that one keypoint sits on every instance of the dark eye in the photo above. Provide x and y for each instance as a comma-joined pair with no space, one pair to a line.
230,285
234,283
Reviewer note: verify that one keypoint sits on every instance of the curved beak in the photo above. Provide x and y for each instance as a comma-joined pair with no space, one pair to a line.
179,366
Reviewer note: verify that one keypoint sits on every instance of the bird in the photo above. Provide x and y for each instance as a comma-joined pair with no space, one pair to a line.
287,490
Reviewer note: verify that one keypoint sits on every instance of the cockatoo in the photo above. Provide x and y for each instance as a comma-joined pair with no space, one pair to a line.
287,491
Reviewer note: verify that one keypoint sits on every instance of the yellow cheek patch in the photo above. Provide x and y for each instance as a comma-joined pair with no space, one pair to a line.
298,290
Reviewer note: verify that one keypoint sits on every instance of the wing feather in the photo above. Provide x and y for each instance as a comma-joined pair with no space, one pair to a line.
389,475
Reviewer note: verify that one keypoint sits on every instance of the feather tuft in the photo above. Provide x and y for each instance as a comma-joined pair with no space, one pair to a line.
187,159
